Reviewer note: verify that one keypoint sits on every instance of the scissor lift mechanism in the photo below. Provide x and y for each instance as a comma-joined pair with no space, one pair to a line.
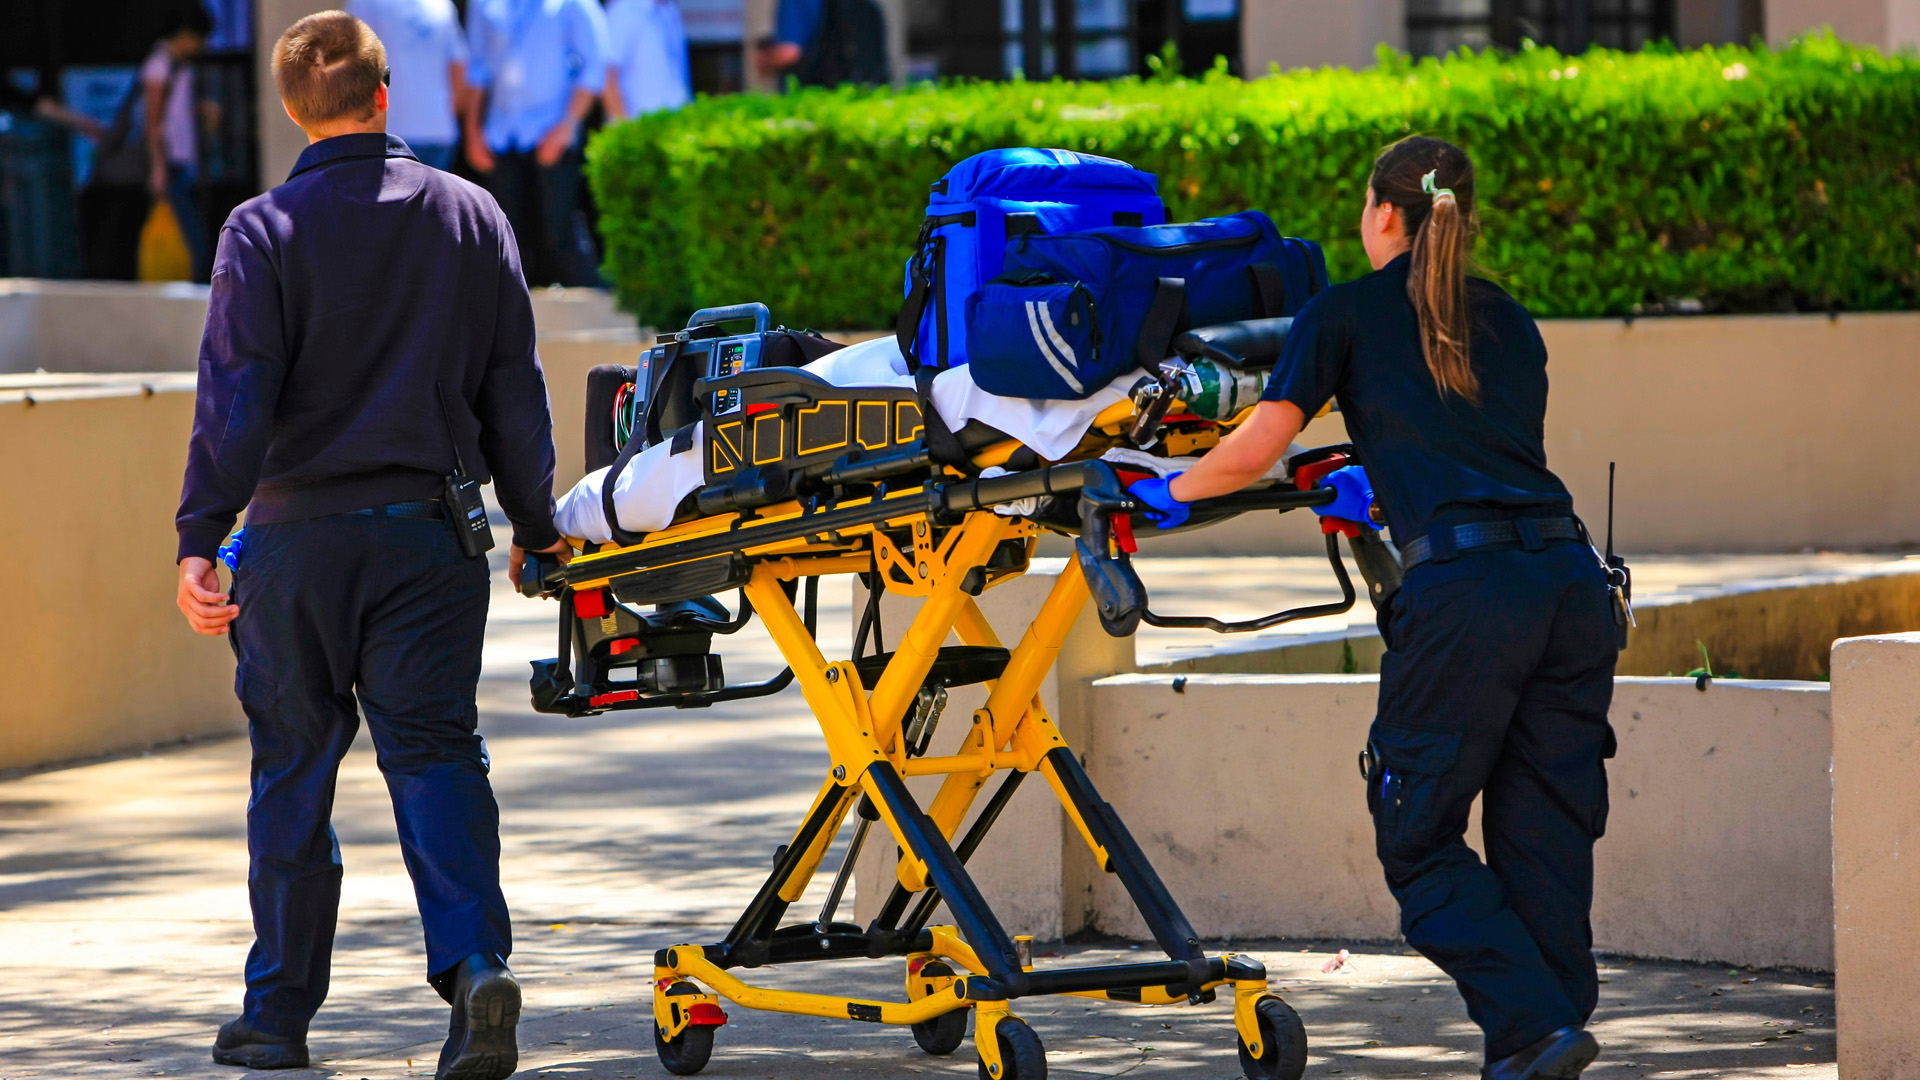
940,540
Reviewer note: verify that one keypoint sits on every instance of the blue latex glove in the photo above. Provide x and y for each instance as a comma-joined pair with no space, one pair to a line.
1164,511
1356,496
230,551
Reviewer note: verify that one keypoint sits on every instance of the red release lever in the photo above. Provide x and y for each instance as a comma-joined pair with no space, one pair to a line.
1308,476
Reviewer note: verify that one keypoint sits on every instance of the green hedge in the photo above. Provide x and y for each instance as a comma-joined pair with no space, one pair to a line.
1724,179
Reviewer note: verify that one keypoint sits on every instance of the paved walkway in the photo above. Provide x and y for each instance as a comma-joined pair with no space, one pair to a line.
123,923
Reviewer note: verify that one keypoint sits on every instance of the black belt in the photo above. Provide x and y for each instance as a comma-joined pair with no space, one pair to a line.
425,509
1485,534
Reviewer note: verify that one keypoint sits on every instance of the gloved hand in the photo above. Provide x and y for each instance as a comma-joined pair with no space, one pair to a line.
1164,510
1355,498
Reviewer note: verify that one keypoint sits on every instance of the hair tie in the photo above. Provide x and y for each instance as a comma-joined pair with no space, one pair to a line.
1427,185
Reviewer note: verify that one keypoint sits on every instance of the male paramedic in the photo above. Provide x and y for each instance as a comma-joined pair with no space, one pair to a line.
368,338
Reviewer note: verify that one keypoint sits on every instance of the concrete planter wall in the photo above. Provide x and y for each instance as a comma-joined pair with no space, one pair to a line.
1243,790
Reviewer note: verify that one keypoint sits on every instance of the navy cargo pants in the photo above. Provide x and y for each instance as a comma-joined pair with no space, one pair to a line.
1496,683
385,609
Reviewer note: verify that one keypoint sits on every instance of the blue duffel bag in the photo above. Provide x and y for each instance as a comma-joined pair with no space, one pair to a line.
983,201
1072,312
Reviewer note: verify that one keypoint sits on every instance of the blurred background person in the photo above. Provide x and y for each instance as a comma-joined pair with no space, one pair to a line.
427,54
648,69
38,226
826,43
537,68
151,144
171,130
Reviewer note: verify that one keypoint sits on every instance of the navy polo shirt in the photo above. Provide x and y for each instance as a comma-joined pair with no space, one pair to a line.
346,304
1432,461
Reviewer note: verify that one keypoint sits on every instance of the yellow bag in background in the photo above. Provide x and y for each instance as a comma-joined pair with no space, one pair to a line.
163,247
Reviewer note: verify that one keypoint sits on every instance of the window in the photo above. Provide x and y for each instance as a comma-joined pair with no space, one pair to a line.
1435,27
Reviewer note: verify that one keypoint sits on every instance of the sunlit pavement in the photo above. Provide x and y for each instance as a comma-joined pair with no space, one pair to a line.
123,921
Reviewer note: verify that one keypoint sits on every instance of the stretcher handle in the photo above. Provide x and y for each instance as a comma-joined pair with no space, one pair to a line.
762,318
1311,611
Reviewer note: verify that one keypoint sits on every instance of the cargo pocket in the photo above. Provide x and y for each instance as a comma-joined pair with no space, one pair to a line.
1034,340
255,688
1405,796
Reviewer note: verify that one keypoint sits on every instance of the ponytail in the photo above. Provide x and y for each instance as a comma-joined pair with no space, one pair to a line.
1438,288
1438,210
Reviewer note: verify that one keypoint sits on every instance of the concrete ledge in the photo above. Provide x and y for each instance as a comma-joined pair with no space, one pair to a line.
1876,882
1243,790
1777,628
118,326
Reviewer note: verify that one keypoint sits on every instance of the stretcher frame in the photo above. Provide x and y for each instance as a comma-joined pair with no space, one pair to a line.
958,547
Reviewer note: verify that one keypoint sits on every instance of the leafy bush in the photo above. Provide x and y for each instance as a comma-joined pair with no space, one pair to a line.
1723,179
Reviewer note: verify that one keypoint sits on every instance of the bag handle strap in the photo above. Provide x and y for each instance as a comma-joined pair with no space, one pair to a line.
1269,290
1166,319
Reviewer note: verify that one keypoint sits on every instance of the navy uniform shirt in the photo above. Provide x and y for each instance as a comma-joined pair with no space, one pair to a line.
340,299
1432,461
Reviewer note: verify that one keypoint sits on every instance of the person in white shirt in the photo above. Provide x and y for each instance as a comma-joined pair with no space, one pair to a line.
172,137
648,70
427,55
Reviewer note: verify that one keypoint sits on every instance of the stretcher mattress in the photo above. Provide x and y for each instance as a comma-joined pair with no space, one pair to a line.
646,494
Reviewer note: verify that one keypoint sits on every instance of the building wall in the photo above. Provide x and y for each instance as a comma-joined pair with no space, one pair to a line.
1317,33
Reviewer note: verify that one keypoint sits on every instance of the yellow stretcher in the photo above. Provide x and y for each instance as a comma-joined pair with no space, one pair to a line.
918,529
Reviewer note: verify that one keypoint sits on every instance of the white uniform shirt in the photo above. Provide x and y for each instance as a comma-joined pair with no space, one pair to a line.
422,38
649,54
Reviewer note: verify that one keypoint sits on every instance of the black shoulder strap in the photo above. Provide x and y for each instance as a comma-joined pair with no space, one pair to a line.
1269,290
1166,319
942,445
657,378
627,452
906,326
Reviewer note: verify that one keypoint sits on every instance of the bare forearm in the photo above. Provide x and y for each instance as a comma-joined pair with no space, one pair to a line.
1244,456
580,105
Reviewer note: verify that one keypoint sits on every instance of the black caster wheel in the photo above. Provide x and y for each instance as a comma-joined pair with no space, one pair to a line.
687,1054
1021,1055
1285,1056
943,1034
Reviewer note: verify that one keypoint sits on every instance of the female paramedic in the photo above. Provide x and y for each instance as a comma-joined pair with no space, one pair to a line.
1501,643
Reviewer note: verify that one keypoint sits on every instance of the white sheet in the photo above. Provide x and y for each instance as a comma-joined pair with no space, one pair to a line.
655,481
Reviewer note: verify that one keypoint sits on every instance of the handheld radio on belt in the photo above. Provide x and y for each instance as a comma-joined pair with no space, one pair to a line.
464,506
1619,577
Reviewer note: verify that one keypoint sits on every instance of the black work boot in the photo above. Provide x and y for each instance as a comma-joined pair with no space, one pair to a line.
239,1044
1562,1055
486,1009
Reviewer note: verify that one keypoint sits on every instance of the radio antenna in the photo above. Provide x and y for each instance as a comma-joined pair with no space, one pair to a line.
1610,466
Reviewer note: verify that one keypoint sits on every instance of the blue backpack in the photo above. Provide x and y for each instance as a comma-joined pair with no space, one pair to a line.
1070,313
985,200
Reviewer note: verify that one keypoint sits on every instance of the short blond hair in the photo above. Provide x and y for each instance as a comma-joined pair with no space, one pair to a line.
327,66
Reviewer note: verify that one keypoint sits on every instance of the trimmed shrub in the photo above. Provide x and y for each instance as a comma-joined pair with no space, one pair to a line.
1722,179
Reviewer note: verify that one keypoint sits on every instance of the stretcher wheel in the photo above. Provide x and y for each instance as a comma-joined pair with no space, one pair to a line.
1286,1043
1021,1054
688,1053
943,1034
